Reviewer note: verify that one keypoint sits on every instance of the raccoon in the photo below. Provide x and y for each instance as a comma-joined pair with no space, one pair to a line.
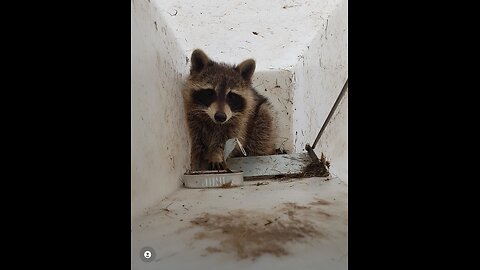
220,103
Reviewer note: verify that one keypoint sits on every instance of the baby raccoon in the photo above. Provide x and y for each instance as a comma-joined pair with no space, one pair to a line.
220,104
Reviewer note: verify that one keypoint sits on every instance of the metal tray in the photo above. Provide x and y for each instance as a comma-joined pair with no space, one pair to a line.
213,179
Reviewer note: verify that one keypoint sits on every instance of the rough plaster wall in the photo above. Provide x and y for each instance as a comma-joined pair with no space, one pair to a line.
277,87
334,141
319,77
225,28
160,152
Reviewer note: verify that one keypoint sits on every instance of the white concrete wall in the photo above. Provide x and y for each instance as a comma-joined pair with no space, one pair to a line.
224,29
319,76
160,152
334,141
277,86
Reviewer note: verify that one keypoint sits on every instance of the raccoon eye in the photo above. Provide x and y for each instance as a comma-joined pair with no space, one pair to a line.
204,97
236,102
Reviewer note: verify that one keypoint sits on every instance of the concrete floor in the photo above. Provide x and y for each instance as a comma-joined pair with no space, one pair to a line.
290,224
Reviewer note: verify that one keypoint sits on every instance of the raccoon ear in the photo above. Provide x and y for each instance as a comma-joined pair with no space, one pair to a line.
199,61
246,69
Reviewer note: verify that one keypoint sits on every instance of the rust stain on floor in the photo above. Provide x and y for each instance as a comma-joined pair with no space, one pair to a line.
251,234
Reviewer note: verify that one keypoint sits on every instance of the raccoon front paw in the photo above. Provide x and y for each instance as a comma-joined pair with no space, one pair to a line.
217,165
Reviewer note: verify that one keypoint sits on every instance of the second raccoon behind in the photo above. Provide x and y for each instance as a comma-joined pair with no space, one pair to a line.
220,104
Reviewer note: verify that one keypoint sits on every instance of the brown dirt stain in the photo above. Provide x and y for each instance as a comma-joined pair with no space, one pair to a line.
227,185
251,234
213,249
320,202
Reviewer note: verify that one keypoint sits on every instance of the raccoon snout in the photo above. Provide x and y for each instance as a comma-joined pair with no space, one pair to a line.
220,117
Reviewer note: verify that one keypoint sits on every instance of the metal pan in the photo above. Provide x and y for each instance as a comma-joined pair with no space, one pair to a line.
213,179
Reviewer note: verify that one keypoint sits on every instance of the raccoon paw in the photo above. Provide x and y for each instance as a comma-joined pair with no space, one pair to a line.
217,165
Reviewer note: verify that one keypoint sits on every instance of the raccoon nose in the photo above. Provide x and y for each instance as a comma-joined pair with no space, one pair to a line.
220,117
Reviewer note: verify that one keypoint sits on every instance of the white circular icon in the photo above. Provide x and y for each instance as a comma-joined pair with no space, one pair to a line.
147,254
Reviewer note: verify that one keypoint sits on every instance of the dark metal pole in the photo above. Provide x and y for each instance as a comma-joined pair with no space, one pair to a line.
334,108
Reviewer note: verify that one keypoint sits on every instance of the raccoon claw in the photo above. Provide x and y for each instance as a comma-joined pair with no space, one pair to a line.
216,166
